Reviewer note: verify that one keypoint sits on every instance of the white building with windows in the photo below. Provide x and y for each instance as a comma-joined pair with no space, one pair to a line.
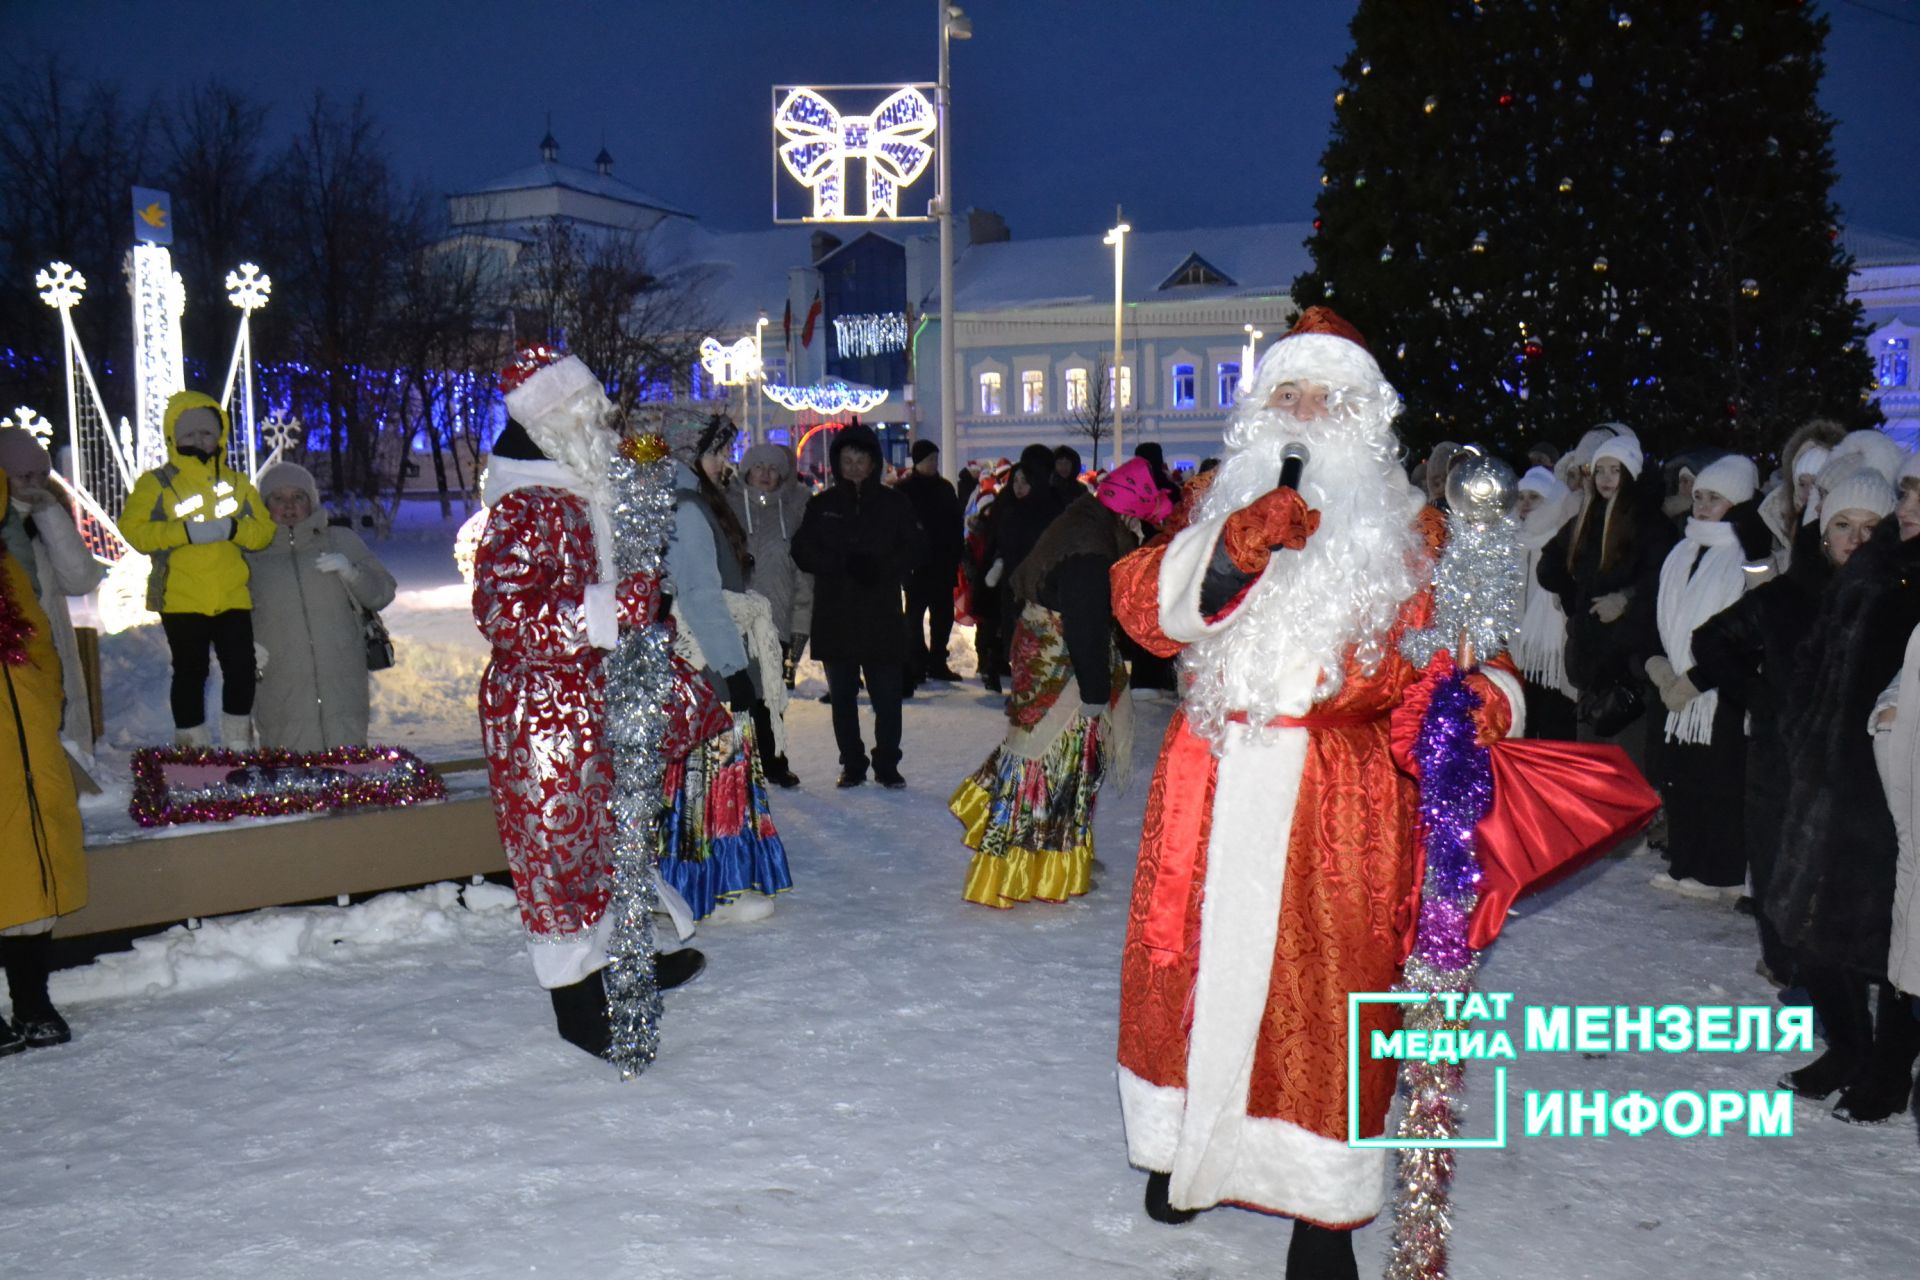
1886,283
1034,327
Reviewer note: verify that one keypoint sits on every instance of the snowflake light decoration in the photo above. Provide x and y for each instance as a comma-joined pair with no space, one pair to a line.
282,433
248,287
60,285
31,423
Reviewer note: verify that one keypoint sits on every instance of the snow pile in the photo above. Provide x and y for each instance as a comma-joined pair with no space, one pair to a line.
224,950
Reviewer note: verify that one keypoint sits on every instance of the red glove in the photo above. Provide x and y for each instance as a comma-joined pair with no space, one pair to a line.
638,598
1278,518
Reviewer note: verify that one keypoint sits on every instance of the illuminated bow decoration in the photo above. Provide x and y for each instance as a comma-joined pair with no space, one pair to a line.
820,141
731,366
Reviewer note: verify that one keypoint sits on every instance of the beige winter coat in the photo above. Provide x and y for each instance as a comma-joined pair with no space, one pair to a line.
312,694
1897,751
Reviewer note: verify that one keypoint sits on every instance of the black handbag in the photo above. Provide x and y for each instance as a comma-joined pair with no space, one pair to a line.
1612,707
379,643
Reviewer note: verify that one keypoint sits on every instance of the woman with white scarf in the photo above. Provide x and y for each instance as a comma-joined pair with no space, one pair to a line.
1545,506
1704,760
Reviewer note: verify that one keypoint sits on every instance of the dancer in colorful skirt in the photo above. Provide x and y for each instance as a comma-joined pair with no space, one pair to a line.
1028,810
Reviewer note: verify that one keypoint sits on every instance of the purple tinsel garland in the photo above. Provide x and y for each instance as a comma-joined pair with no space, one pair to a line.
1456,791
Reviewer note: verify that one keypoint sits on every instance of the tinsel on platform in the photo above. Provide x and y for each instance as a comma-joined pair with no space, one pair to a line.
639,684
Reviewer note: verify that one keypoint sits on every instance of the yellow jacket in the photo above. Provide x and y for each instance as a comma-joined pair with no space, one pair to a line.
43,868
188,576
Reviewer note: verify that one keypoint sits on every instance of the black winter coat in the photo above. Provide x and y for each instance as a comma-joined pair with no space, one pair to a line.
937,507
1832,892
1600,654
859,542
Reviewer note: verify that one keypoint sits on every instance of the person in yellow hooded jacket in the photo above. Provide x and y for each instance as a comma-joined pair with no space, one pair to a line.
43,869
195,517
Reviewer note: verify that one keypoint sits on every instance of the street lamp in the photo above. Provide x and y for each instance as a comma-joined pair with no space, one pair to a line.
954,25
1117,237
1251,352
758,432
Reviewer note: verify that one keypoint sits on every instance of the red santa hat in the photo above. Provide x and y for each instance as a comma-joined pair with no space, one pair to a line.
1321,347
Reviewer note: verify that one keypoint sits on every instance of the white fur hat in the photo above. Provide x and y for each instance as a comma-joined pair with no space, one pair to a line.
540,386
1624,450
1543,482
1732,477
1875,448
1809,460
1864,490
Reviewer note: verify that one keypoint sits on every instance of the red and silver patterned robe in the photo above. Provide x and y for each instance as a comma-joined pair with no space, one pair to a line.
541,706
1272,880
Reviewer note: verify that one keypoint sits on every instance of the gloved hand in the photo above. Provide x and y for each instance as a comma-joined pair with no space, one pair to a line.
1677,693
1610,608
1276,519
201,531
1660,671
740,695
995,572
637,599
332,562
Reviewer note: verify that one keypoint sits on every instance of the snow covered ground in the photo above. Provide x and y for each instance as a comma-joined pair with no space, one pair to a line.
880,1081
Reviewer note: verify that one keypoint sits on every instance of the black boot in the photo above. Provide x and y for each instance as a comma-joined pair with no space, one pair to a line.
1320,1253
677,968
11,1041
29,960
1840,1002
580,1011
1159,1208
1818,1079
1885,1084
780,774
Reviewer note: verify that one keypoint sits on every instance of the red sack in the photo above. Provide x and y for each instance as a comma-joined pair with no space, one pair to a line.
695,712
1557,806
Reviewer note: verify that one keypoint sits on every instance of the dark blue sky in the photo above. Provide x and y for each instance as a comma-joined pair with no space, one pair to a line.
1190,112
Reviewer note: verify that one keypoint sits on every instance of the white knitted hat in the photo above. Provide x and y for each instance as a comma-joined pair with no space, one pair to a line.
1732,477
1864,490
1624,450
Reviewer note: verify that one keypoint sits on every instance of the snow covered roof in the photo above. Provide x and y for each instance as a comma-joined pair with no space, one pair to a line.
1258,261
746,272
552,173
1878,249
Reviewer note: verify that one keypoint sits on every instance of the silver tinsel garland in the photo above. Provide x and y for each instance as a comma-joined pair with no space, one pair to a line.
1477,591
639,684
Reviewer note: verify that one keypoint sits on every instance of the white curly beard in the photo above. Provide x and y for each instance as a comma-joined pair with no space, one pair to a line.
1339,595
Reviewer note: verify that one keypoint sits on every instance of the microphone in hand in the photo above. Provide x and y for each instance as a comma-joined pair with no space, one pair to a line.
1293,461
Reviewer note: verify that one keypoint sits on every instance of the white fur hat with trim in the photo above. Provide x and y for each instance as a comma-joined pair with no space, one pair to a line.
1875,448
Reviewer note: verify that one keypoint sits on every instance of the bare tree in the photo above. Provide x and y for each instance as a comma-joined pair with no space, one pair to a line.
609,298
1092,417
343,231
211,144
70,151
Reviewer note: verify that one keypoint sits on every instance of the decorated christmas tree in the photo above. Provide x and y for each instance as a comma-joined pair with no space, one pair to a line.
1550,213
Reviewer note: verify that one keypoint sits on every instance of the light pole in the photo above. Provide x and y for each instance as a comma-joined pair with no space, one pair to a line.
1251,352
1117,237
758,432
954,25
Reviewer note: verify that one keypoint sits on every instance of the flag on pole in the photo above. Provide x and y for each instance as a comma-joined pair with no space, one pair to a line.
152,216
813,316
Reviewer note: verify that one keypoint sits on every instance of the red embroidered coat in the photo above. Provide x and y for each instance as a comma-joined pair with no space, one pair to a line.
541,704
1233,1021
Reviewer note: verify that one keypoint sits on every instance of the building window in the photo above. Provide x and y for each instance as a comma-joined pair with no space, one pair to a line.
1229,379
1894,363
1124,396
1076,390
1033,392
1183,386
990,393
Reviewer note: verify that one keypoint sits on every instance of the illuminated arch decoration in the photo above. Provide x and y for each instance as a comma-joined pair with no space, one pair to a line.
827,398
819,141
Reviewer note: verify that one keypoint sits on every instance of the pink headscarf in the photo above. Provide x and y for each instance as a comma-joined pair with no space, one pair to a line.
1129,490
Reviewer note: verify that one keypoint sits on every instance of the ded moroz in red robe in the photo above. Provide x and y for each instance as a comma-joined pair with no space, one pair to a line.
1272,880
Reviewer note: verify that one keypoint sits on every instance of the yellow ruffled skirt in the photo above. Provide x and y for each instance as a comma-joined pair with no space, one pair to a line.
1030,823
